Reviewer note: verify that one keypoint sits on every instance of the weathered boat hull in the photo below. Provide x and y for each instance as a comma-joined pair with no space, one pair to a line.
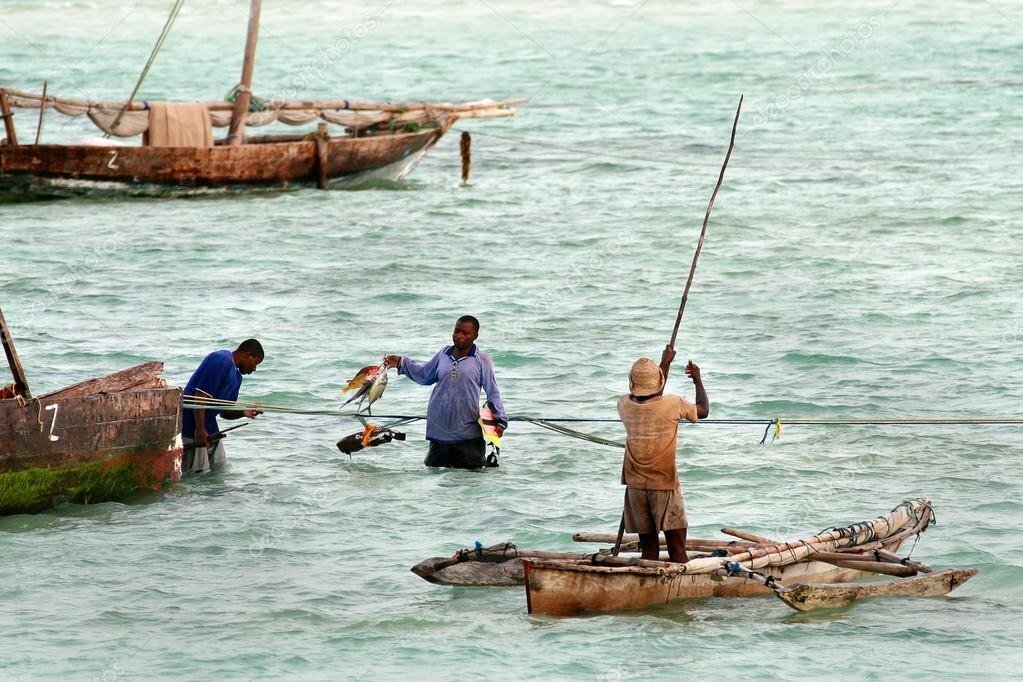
77,446
566,588
497,566
806,597
558,588
54,171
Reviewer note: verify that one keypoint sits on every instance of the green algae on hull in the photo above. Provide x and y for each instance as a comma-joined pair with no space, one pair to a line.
40,488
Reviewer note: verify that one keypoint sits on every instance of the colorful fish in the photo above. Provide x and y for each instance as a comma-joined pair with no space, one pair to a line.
359,379
371,386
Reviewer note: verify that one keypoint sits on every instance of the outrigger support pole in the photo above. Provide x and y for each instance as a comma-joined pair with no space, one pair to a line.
20,382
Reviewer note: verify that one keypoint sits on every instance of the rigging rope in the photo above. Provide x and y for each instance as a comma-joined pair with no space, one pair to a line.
175,9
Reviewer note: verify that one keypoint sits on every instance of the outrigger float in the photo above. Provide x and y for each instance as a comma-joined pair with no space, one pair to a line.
806,574
94,441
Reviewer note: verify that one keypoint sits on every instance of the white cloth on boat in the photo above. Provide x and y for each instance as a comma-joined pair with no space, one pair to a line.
179,124
132,122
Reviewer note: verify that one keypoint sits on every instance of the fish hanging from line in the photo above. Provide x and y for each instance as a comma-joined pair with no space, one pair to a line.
367,372
371,382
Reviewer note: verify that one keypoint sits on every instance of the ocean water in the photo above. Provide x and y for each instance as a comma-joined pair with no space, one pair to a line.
863,260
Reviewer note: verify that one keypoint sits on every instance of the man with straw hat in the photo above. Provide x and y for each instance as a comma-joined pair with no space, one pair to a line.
653,493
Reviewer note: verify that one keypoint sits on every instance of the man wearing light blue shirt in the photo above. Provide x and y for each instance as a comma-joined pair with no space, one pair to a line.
459,371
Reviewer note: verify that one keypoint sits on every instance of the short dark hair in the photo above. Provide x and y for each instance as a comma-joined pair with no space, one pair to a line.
251,346
471,320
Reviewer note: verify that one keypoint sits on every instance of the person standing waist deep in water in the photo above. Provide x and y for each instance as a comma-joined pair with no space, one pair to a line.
459,371
218,376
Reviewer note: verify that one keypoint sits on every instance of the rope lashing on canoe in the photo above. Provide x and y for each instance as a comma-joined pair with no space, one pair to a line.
734,568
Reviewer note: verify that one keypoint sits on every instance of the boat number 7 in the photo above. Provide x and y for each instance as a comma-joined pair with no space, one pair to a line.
112,163
53,423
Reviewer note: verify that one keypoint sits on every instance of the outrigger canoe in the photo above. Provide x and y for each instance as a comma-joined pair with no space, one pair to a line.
806,574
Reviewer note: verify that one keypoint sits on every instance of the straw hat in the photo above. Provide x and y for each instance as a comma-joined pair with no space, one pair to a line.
645,378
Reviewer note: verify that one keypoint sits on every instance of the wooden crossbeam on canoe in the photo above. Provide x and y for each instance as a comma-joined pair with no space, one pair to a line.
603,538
33,100
808,597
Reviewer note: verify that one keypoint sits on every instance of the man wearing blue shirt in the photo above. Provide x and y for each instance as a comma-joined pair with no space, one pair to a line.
219,376
452,418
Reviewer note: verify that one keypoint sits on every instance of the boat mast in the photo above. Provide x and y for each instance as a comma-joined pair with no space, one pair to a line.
236,133
20,382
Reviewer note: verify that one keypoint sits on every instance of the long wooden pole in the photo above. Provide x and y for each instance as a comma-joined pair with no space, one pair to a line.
20,382
236,133
42,110
703,232
689,282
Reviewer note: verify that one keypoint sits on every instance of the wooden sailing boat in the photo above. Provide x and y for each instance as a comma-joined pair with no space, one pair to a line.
380,140
93,441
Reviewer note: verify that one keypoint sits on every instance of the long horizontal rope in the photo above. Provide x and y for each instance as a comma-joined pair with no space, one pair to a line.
199,403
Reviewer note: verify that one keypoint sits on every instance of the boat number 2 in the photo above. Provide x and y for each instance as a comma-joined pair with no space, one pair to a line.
54,422
112,164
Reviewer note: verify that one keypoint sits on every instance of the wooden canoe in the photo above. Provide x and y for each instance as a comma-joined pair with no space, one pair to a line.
94,441
570,587
69,170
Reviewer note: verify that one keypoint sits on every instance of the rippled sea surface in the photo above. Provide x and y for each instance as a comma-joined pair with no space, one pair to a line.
863,260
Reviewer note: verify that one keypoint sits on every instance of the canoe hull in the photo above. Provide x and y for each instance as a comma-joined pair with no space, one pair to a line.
89,448
564,589
54,171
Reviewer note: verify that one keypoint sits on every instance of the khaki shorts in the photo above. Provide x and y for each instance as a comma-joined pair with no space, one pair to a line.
651,511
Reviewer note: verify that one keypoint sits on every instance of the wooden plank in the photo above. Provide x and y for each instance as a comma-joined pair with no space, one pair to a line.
807,597
145,375
322,156
5,112
749,537
863,564
20,381
603,538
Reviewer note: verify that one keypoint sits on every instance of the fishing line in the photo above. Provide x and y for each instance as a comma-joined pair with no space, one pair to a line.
190,402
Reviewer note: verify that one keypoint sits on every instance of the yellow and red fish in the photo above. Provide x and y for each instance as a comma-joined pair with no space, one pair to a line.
371,382
368,372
